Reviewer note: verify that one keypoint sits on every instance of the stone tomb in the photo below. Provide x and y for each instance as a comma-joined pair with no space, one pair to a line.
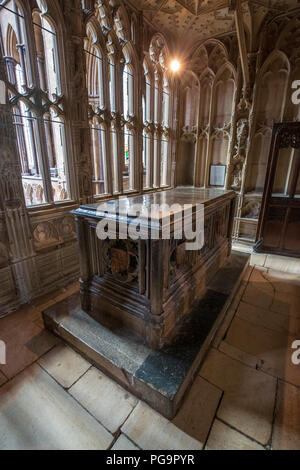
149,308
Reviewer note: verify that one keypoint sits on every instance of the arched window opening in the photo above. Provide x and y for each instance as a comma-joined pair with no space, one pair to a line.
112,84
95,67
47,56
166,105
126,76
56,151
95,72
128,88
148,96
147,160
28,141
157,99
128,158
98,135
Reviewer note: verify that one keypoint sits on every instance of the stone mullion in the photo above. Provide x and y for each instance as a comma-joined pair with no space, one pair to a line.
42,150
106,159
173,132
157,158
96,156
138,128
116,141
149,158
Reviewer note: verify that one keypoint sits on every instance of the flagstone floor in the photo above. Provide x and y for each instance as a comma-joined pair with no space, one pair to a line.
245,396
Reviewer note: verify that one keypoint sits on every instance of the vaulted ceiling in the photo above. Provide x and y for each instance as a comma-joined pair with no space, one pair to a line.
200,19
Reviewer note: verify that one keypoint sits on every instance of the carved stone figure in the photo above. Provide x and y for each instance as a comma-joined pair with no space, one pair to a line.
239,154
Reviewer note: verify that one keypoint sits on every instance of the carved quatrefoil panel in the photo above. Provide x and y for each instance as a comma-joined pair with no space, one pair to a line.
121,259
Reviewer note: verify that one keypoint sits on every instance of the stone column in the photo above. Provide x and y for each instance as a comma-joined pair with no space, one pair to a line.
78,128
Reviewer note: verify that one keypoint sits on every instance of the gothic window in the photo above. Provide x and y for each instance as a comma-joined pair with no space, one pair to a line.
36,97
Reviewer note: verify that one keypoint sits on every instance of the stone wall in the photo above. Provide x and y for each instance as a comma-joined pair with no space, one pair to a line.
221,111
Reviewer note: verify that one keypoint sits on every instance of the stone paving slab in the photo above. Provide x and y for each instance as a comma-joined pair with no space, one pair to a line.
38,414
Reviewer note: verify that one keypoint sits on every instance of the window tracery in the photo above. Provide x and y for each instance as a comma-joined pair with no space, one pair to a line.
36,97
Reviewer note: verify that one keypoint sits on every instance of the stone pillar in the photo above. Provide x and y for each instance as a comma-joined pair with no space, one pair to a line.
77,101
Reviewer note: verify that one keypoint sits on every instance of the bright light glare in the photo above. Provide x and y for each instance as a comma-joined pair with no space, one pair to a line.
175,65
